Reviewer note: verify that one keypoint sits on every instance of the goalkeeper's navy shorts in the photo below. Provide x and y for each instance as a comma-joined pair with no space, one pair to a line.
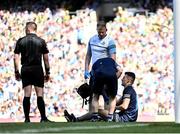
32,75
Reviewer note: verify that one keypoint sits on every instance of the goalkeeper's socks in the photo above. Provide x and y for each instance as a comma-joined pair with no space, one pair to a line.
110,117
26,107
41,107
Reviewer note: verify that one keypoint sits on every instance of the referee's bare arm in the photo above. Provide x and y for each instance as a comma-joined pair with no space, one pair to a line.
16,62
46,63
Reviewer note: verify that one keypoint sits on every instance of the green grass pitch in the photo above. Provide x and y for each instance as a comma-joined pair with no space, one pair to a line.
90,127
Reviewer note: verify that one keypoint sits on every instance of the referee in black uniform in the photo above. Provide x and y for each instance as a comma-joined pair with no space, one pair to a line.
32,48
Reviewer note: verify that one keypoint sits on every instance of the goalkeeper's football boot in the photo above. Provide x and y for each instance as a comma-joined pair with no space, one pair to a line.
68,117
74,119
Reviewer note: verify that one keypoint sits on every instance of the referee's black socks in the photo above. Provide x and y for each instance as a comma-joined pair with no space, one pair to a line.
41,107
26,108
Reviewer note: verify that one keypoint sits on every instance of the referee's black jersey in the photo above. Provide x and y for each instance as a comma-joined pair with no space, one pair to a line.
31,48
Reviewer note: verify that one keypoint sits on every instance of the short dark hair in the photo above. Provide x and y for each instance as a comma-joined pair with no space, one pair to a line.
101,24
32,25
132,75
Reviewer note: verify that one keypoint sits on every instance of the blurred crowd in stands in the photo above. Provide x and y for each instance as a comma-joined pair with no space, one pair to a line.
152,5
73,5
144,46
53,5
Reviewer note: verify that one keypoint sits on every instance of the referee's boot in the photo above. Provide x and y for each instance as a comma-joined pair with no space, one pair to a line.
45,120
27,120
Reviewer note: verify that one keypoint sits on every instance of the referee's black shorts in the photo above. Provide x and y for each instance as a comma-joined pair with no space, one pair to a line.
32,75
